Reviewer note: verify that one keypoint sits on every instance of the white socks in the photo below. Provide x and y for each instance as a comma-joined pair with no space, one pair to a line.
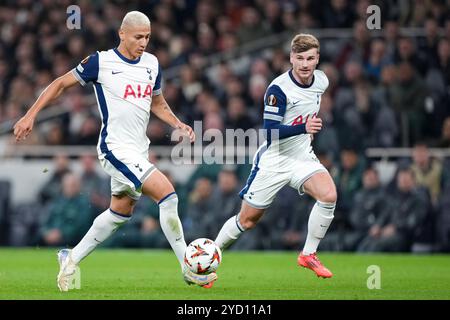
318,223
103,226
171,225
109,221
229,233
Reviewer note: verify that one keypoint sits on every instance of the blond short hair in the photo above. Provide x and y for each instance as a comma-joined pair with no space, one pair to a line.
135,19
303,42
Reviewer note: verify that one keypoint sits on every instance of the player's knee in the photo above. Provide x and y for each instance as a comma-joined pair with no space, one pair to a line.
123,204
329,196
248,222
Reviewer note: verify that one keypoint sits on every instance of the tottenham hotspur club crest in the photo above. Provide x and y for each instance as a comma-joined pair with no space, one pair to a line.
149,74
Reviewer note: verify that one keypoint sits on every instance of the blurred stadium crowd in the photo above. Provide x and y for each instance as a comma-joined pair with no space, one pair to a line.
387,89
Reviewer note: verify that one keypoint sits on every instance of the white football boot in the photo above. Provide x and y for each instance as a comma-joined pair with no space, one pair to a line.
67,269
203,280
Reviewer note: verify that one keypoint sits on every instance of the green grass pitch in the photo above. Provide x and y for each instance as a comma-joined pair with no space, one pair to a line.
155,275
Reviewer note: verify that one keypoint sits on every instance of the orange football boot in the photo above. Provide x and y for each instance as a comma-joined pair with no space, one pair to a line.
208,285
313,263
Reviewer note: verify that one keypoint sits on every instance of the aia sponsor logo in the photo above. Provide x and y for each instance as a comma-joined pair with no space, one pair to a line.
137,91
301,120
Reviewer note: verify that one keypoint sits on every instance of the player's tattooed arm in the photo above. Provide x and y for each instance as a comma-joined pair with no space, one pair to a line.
162,110
23,127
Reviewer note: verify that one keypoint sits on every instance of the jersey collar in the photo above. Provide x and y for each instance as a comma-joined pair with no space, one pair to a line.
304,86
121,56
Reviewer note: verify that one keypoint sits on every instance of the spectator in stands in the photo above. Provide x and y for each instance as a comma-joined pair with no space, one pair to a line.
272,14
429,44
385,128
208,171
279,63
78,105
391,35
444,59
199,221
285,225
369,203
353,74
338,14
251,27
224,200
206,40
224,27
418,14
52,189
377,60
190,85
333,77
357,48
237,115
408,100
69,215
444,142
327,139
261,66
213,120
158,133
55,135
94,186
407,52
234,86
394,229
348,178
89,131
257,89
427,170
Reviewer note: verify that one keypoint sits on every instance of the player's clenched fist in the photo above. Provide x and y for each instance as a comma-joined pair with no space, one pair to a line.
23,127
313,125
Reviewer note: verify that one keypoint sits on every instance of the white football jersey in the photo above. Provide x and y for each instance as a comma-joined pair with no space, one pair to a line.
124,90
290,103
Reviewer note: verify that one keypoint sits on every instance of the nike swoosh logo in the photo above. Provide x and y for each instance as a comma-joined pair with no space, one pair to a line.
296,103
116,72
178,239
97,240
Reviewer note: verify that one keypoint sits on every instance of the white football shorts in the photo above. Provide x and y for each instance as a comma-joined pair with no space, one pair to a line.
128,171
263,185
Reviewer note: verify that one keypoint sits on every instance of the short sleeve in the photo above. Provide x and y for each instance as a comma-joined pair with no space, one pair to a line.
87,69
157,88
274,103
323,79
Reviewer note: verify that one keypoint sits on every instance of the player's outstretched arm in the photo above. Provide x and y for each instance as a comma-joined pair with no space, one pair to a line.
162,110
23,127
